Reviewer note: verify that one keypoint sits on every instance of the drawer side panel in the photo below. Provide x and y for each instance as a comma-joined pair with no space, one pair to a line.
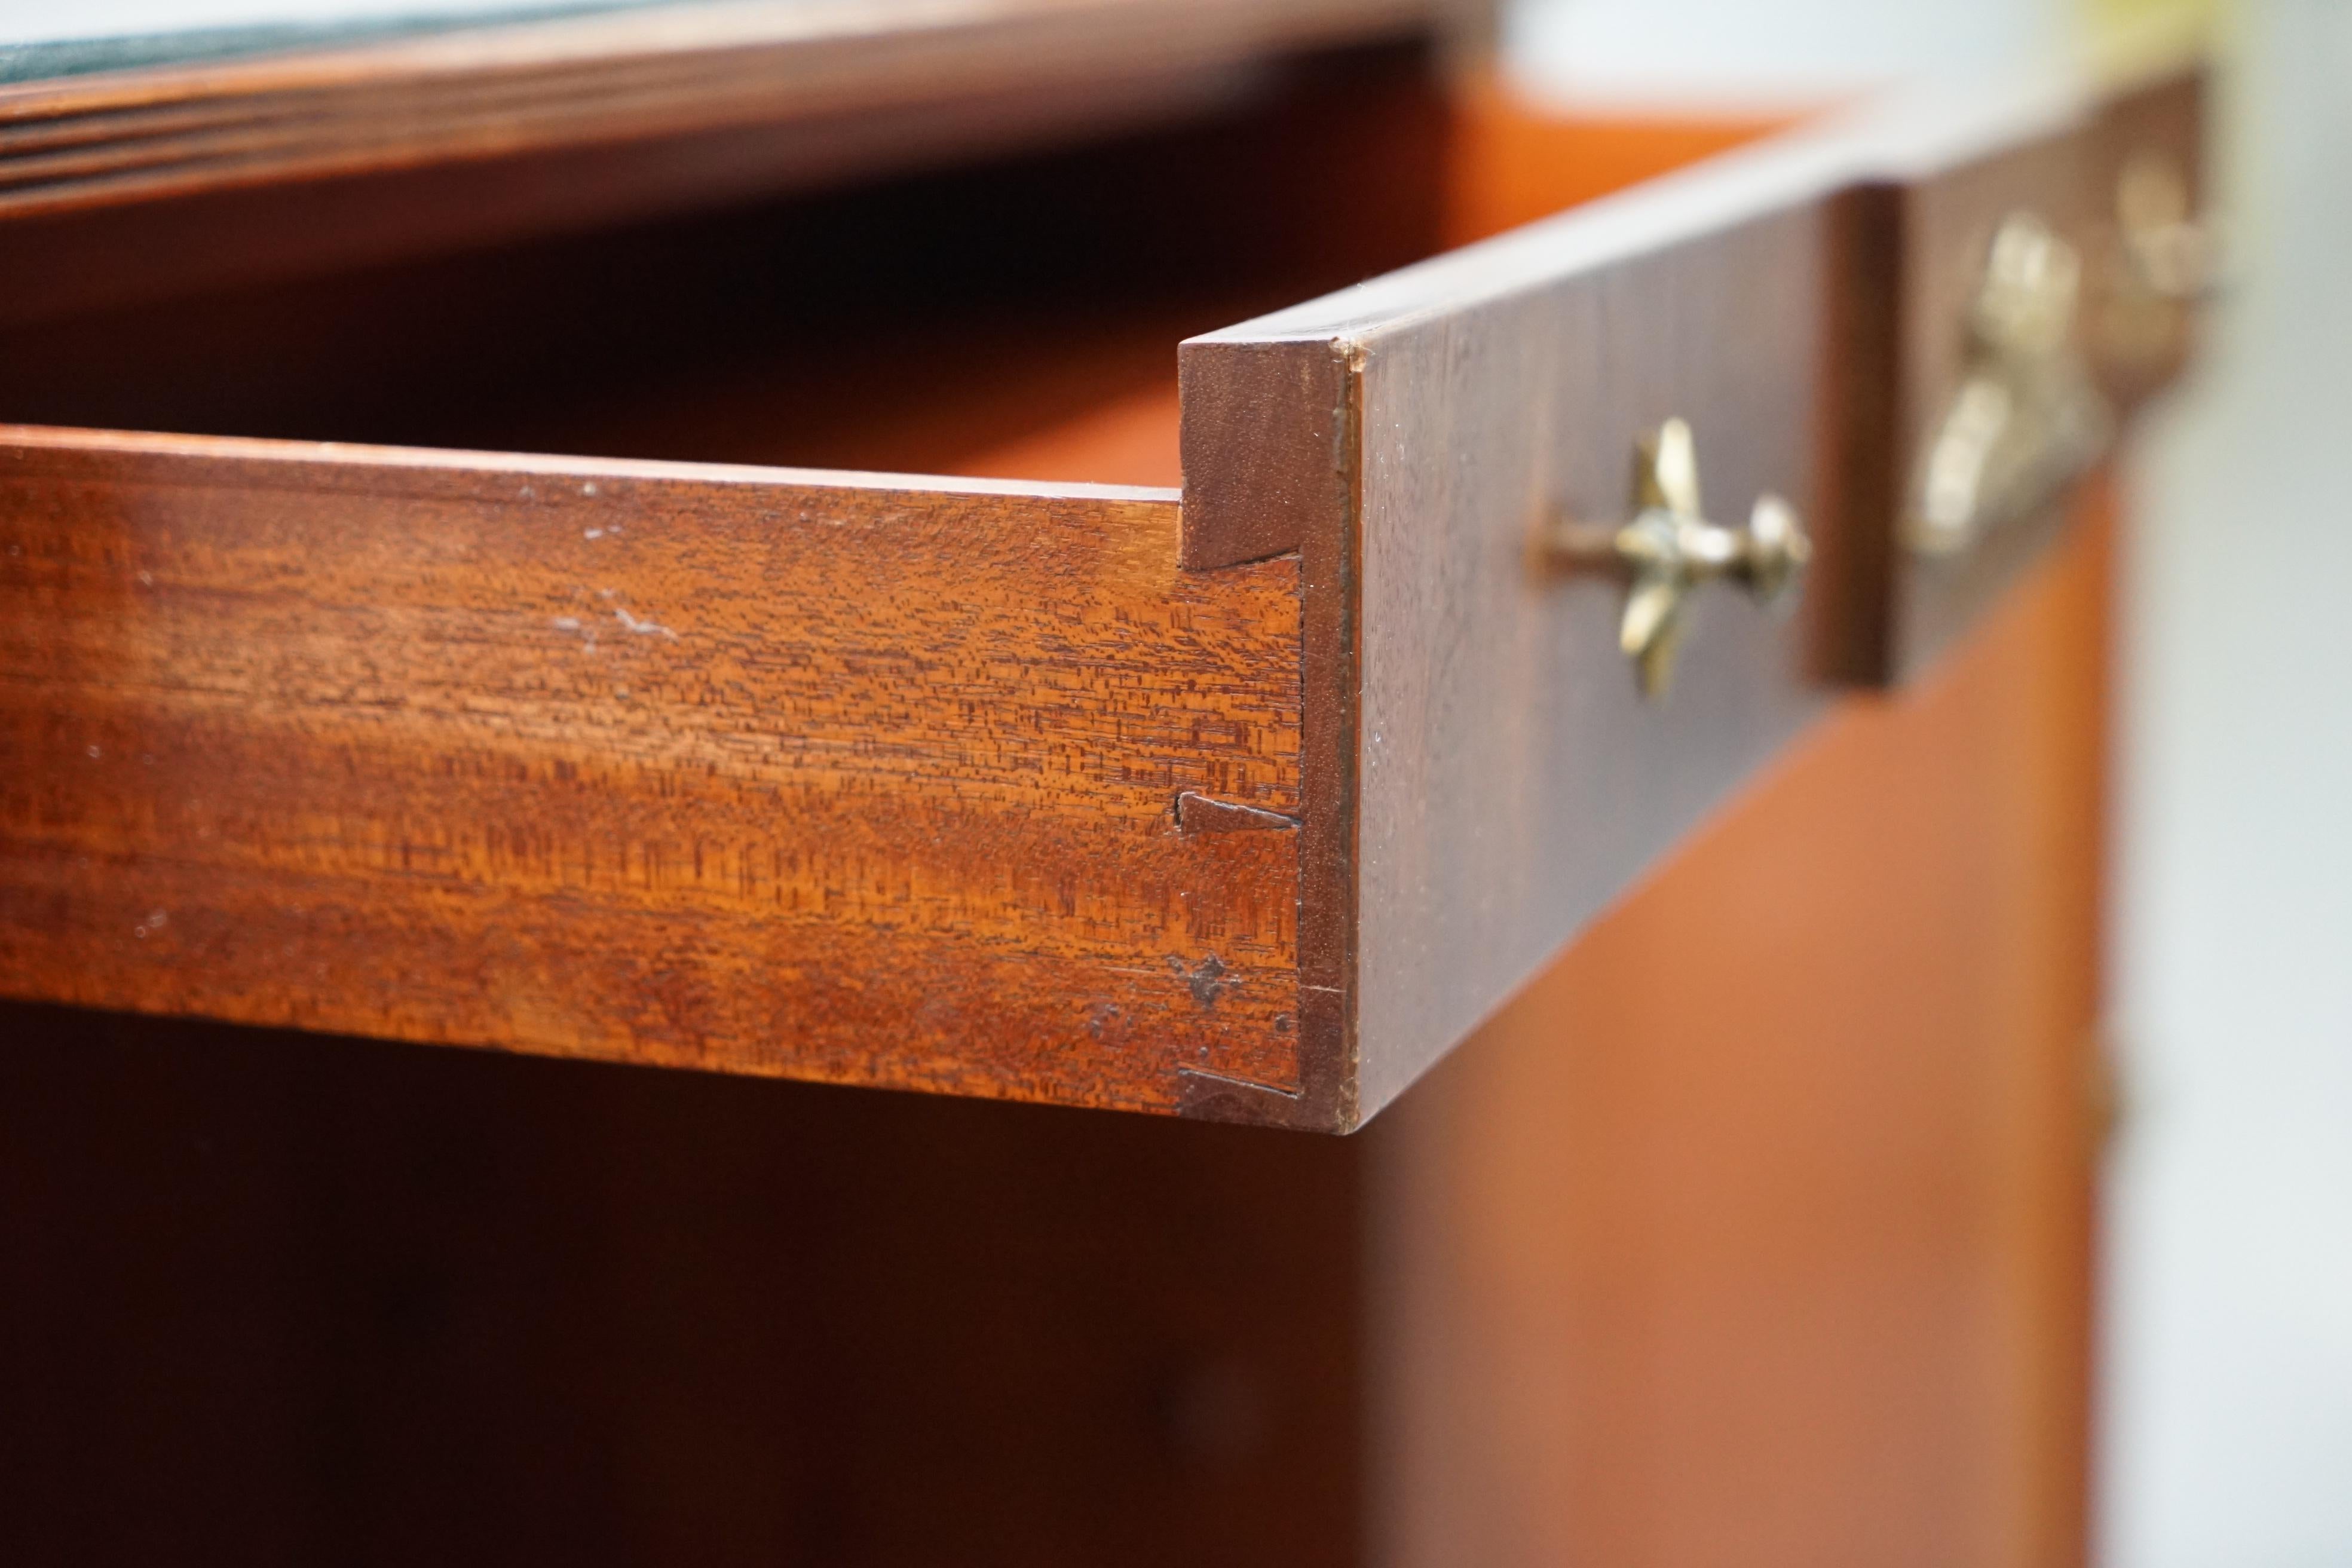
860,781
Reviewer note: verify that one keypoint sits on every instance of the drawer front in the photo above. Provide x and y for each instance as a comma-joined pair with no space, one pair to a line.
1453,451
2057,159
1249,803
833,778
1494,770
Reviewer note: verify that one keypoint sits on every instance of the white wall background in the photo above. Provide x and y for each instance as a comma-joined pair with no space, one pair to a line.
1702,52
2226,1399
2228,1303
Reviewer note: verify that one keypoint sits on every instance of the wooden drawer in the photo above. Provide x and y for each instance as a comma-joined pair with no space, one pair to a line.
1246,798
1954,171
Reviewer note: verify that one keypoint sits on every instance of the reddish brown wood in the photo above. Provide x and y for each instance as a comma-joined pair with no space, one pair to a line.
636,73
1516,158
77,258
1757,1229
2053,149
824,775
1783,1263
284,1300
1489,778
1384,661
831,375
832,97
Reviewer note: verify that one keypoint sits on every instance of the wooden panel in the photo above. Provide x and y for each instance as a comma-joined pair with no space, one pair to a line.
81,258
1517,157
2051,150
1489,778
1778,1262
1502,778
1512,776
1756,1230
280,1300
1195,172
2162,120
831,776
633,74
1953,199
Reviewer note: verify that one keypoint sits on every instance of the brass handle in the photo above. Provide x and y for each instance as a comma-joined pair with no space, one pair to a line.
2027,420
1669,549
2165,260
2168,251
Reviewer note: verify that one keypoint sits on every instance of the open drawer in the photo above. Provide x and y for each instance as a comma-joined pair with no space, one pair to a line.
1243,797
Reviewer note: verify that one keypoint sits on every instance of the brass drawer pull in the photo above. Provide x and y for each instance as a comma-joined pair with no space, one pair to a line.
2165,261
1670,548
2027,420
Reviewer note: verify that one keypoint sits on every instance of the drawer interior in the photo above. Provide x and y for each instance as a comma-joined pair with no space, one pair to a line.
1015,319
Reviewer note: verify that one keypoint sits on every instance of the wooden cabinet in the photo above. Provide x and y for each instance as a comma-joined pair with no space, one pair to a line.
939,678
1247,799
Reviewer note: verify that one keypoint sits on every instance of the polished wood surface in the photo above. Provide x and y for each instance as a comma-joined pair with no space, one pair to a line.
732,339
1757,1229
1753,1230
2052,152
280,1300
924,90
824,775
1444,766
614,76
1490,778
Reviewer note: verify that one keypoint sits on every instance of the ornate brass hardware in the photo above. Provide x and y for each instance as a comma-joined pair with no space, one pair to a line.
1669,549
2165,260
2027,420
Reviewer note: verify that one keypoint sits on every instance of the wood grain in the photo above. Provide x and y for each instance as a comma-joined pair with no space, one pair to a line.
1759,1229
611,77
2053,148
1490,776
1490,779
844,94
1955,197
832,776
284,1300
1348,609
1783,1264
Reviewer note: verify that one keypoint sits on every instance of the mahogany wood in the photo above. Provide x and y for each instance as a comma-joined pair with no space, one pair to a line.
282,1300
2048,149
1758,1229
819,774
60,263
1349,631
1781,1261
1488,777
614,77
949,313
1689,1256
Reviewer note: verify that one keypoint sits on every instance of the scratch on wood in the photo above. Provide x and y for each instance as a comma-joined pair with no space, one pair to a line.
1198,813
1222,1098
1207,1079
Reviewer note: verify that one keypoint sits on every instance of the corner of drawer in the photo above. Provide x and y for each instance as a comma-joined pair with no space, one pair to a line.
1266,445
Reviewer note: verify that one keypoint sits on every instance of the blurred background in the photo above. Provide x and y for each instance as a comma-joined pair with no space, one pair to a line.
2225,1382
